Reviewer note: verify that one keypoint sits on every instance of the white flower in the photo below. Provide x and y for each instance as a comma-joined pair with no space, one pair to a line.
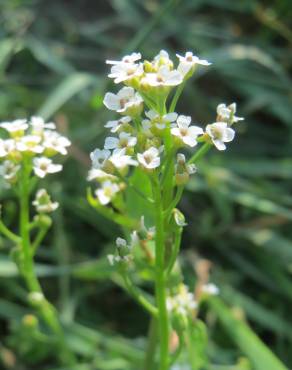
43,202
163,77
132,58
120,160
100,175
43,165
162,58
150,158
112,259
125,71
125,140
30,144
210,289
121,243
227,113
183,303
55,143
15,127
8,170
106,193
38,125
125,101
159,121
118,124
187,62
99,157
6,147
182,169
188,134
220,133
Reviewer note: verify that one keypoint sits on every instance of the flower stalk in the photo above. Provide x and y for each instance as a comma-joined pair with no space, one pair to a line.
154,146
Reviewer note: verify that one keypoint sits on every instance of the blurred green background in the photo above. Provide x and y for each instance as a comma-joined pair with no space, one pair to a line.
238,206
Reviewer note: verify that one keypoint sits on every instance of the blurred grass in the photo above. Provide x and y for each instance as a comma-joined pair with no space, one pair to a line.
238,207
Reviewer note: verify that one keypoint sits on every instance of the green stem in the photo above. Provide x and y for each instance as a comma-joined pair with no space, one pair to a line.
175,251
38,239
176,96
46,310
200,153
175,201
9,234
160,281
149,361
138,296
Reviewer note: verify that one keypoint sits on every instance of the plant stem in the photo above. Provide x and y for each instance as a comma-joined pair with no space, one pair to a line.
149,360
176,96
160,283
9,234
138,295
200,153
46,310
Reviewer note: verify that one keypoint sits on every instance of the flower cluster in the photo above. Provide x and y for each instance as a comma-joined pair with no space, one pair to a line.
183,303
33,142
146,139
123,252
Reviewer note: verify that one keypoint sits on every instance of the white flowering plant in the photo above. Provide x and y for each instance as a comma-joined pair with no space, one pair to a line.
27,154
141,172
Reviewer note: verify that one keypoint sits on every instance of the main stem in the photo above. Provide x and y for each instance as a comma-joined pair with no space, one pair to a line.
160,283
46,310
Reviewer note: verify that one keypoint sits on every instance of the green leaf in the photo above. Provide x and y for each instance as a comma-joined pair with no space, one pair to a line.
259,354
197,340
51,58
69,87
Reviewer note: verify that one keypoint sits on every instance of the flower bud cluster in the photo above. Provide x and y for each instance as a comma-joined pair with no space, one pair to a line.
123,254
33,142
183,303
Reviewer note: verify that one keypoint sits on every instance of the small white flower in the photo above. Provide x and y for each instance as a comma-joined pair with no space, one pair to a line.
132,58
158,121
182,303
118,124
112,259
126,100
6,147
30,144
55,143
163,77
125,71
187,62
227,113
188,134
220,133
107,192
100,175
120,242
16,127
182,167
39,125
210,289
8,170
162,58
43,202
43,165
99,157
150,158
125,140
121,160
